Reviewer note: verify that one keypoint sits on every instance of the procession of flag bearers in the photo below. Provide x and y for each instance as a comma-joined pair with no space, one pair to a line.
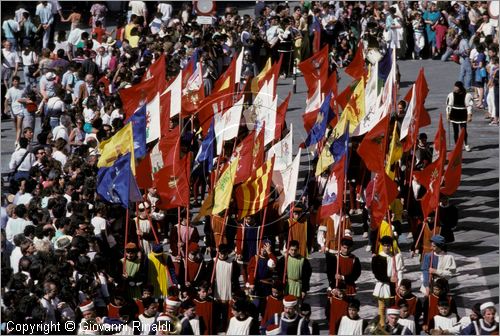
222,158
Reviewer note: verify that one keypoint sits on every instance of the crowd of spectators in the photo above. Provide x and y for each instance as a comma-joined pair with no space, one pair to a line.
62,246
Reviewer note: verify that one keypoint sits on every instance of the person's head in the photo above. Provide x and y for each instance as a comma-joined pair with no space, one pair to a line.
49,290
172,304
87,309
150,306
131,251
392,316
404,309
7,45
203,290
386,242
488,311
422,139
346,245
15,81
276,289
438,243
293,249
89,78
401,108
353,309
404,287
476,312
223,251
440,287
459,87
290,306
189,309
444,307
240,309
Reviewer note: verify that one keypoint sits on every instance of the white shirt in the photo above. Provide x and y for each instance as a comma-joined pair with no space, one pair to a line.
60,132
60,156
14,259
75,36
166,10
102,62
99,224
88,115
13,94
10,58
29,59
15,226
137,7
16,158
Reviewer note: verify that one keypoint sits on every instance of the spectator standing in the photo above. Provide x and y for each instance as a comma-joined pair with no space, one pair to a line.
44,11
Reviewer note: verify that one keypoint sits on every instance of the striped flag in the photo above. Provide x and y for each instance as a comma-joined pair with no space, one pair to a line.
253,195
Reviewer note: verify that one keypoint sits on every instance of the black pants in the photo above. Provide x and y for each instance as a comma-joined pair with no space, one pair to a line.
456,131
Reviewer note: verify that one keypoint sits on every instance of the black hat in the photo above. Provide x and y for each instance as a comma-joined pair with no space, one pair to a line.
443,303
347,241
386,240
240,306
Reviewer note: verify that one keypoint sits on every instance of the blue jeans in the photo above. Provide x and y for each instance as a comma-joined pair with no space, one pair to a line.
465,72
54,122
446,55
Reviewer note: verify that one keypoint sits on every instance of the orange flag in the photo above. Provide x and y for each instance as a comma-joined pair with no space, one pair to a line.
356,69
372,148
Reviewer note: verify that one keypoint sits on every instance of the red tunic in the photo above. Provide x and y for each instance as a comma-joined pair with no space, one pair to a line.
113,311
346,265
193,269
338,308
433,307
140,307
412,303
273,306
204,311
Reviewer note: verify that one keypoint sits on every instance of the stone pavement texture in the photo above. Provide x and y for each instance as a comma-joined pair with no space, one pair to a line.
476,245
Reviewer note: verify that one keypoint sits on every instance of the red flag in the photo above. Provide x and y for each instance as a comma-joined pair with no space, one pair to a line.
280,116
419,116
216,102
380,192
157,70
431,176
172,184
453,171
166,151
227,78
193,92
251,153
315,70
372,148
143,173
343,98
334,190
132,97
331,85
356,69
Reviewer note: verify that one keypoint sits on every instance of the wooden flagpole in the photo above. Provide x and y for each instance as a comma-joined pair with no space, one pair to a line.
126,240
292,205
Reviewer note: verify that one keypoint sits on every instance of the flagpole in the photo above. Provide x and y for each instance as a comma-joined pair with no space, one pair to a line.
137,227
178,231
394,271
261,234
292,205
224,220
186,246
411,175
126,239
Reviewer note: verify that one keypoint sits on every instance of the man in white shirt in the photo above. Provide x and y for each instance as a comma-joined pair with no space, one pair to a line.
21,159
102,59
17,223
44,11
14,99
10,63
166,10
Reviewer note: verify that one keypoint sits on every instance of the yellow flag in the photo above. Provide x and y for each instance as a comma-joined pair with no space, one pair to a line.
355,110
261,75
120,143
395,153
206,207
224,187
325,158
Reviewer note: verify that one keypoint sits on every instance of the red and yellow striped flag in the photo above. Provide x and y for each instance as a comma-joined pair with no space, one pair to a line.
253,194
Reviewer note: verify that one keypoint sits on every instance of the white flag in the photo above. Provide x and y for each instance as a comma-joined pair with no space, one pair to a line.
239,66
285,182
263,111
153,119
410,111
372,112
314,102
282,152
227,123
175,90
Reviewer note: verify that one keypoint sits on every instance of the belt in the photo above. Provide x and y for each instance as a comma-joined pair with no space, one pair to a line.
332,251
134,284
295,280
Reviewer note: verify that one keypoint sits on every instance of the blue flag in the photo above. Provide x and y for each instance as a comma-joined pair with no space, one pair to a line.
116,184
207,148
385,65
340,145
138,120
319,128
